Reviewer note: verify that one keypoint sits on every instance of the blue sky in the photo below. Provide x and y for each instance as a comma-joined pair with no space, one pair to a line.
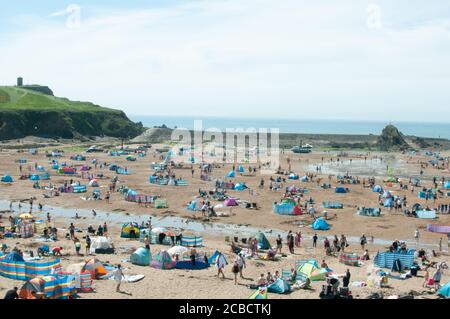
349,59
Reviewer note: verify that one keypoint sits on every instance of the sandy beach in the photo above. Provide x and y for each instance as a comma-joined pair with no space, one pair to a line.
241,222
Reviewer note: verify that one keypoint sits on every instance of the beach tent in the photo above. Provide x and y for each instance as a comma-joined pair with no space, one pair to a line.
377,189
7,179
194,206
241,169
44,176
101,245
95,267
293,176
177,250
52,287
441,229
304,179
280,286
288,201
260,293
127,228
263,242
94,183
426,214
231,174
142,257
445,291
320,224
389,202
34,285
447,184
162,260
187,264
283,209
240,187
341,190
391,180
230,202
387,194
310,269
34,177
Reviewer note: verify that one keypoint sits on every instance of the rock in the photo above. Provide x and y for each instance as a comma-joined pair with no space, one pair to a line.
392,140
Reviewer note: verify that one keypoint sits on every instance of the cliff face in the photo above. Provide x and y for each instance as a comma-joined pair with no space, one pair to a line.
24,113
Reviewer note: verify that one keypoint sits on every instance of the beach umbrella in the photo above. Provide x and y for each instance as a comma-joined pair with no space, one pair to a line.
158,230
26,216
177,250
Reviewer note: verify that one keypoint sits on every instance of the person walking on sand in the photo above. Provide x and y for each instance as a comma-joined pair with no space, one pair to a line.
241,263
315,240
298,239
77,243
88,245
291,242
72,231
416,237
346,279
235,271
363,242
118,276
426,278
279,243
220,264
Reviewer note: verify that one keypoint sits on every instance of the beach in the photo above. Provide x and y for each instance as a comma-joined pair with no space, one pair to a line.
239,222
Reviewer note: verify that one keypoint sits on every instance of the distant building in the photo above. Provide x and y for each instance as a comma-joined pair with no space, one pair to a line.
34,87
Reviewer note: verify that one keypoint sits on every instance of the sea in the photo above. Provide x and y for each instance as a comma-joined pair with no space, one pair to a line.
427,129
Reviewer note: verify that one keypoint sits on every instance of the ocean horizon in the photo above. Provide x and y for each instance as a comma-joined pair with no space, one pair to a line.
305,126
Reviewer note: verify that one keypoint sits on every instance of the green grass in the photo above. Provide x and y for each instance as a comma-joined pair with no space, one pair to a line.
13,98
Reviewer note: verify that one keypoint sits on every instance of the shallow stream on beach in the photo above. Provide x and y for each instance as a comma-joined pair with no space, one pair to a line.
214,228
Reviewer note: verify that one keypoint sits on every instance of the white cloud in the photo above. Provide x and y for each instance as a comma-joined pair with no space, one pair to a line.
255,57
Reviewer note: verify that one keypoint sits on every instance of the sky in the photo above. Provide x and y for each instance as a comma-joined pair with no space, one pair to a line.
384,60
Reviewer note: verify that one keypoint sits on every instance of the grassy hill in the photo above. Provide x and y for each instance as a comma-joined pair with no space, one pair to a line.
25,112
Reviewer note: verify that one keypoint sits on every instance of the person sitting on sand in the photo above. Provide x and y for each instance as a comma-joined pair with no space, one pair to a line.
261,281
293,274
271,253
277,275
365,256
269,278
323,264
56,251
